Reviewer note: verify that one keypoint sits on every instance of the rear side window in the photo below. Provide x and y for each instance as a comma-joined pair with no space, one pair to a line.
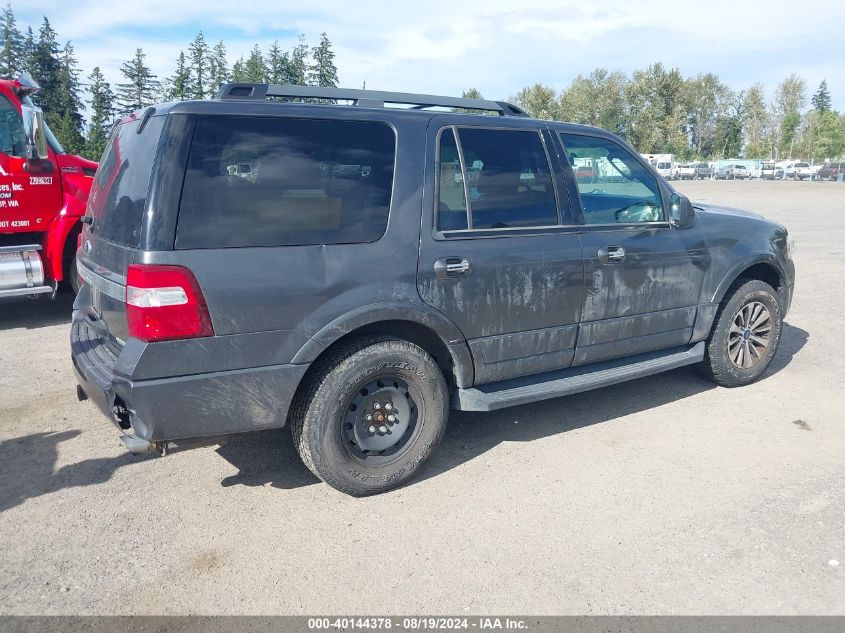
451,201
282,181
119,194
505,174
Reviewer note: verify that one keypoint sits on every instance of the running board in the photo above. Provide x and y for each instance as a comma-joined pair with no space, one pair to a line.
564,382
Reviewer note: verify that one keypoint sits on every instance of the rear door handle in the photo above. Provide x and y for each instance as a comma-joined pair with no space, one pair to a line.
611,254
452,267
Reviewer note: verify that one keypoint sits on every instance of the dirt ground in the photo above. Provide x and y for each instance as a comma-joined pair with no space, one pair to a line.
665,495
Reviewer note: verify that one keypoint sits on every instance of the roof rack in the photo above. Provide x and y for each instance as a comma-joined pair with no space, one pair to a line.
363,98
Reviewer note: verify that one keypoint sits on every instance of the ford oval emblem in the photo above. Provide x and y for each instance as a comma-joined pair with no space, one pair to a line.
86,247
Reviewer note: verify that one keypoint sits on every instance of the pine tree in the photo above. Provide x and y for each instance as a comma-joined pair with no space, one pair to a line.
323,71
178,86
278,65
11,44
254,69
44,68
821,100
102,114
28,51
238,72
219,70
299,63
67,117
141,86
200,66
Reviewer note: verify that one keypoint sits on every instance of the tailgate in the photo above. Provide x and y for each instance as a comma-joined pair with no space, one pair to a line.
105,299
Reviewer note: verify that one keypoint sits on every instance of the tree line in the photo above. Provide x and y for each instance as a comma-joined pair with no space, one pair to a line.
199,72
658,110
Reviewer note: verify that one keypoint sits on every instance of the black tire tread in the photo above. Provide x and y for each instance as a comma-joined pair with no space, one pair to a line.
713,366
306,436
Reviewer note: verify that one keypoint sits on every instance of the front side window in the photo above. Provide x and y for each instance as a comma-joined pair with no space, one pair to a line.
620,190
260,181
507,175
12,137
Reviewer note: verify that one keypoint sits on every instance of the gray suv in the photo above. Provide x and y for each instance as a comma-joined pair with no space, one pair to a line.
355,270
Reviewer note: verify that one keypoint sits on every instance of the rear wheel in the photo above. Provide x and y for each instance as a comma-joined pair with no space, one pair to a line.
745,335
370,414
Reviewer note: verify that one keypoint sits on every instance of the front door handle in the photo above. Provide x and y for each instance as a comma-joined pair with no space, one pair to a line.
452,267
611,254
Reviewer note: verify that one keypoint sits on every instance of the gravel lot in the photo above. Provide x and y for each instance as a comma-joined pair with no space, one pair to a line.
665,495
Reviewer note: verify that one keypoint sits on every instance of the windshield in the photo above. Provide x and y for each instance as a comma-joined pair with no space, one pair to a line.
51,139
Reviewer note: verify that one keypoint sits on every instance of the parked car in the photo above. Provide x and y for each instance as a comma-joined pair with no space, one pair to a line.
686,171
769,171
732,172
831,171
585,173
799,171
664,169
703,171
308,296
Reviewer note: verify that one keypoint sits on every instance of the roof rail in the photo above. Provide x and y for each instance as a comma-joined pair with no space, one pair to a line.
363,98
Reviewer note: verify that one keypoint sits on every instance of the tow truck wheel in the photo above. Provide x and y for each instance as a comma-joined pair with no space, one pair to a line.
73,276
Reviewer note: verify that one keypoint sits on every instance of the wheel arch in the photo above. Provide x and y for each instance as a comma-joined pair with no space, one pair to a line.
763,268
421,325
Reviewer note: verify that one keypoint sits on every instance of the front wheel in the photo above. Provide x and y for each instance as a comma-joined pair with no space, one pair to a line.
370,414
745,335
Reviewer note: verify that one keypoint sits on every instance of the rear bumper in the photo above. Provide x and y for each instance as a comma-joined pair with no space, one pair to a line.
183,407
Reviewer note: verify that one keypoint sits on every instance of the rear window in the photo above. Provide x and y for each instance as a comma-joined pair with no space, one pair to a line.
119,193
255,181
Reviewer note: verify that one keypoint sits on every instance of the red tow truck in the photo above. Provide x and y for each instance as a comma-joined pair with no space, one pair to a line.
43,193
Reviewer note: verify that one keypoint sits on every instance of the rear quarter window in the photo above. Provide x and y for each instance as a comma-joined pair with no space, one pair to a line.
119,194
262,181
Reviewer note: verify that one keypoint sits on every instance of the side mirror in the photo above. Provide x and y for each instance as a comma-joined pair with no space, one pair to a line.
36,135
681,214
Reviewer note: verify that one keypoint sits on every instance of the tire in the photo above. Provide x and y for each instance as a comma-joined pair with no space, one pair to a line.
329,414
73,277
724,363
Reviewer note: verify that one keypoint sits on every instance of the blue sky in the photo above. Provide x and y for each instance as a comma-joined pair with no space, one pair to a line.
444,47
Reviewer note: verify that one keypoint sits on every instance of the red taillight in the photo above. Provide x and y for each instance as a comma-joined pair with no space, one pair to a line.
165,303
